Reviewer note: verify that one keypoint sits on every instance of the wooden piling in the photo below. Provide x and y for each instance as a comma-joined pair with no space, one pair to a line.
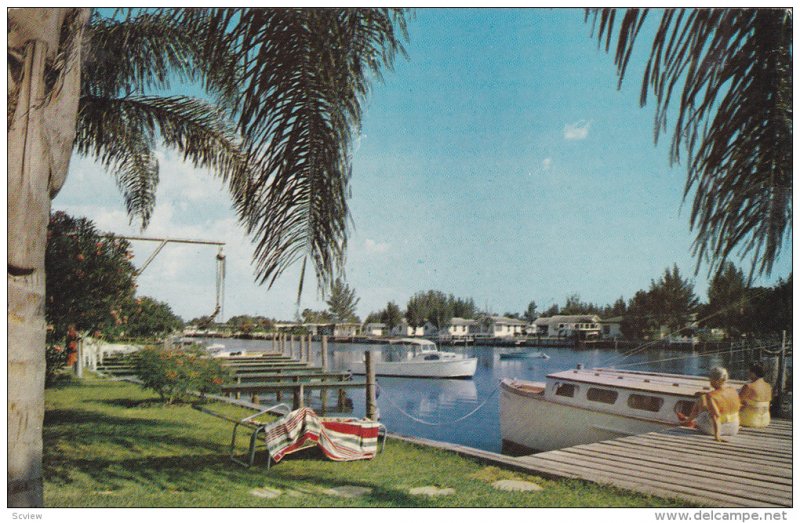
238,382
779,382
370,370
297,401
309,353
323,393
291,345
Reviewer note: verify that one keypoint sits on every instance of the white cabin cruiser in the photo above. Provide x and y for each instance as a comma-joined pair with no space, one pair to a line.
580,406
420,358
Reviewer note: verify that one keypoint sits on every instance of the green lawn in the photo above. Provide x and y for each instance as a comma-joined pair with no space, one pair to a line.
111,444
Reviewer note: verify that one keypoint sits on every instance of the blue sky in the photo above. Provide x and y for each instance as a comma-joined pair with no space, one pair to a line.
498,162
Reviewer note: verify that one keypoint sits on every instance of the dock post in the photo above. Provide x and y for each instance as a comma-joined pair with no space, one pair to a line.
254,398
779,382
238,382
323,353
273,342
370,369
297,401
291,345
341,400
309,352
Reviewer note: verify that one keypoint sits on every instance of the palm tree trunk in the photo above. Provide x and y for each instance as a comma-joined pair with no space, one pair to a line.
40,135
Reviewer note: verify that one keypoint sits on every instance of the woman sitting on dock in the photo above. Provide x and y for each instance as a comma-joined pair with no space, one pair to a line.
717,412
755,397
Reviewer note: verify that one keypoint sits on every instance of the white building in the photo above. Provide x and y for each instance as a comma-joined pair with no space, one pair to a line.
565,326
456,327
500,327
374,329
405,330
610,328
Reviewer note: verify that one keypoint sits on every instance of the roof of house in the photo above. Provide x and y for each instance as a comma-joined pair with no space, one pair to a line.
462,321
375,326
507,321
573,318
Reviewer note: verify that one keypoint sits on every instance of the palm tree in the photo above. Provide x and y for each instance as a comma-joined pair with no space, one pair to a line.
284,87
732,72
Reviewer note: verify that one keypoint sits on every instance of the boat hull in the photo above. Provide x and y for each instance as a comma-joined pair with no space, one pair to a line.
461,368
529,423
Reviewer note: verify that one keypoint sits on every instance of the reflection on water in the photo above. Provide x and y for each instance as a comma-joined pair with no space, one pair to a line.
431,408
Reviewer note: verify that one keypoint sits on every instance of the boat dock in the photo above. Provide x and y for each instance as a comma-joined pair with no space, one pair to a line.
753,469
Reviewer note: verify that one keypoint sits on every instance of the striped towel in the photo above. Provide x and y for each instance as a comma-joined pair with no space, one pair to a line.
340,439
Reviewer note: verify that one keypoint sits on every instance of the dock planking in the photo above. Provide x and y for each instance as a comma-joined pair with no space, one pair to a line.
753,469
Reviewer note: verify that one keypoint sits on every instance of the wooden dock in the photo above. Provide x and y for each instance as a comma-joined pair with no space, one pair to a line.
753,469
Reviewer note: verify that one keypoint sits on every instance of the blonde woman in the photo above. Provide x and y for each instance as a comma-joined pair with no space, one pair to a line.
717,412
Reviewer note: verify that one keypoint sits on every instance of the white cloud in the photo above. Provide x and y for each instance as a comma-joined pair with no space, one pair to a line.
376,247
547,163
578,130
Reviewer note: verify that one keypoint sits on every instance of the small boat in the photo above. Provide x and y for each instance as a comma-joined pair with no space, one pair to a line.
523,355
217,350
580,406
418,358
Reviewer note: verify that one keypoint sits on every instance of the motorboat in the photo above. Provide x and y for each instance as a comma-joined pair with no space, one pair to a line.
218,350
519,355
419,358
580,406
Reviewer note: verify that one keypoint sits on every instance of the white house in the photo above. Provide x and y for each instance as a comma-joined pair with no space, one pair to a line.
564,326
337,330
500,327
374,329
610,328
457,327
406,330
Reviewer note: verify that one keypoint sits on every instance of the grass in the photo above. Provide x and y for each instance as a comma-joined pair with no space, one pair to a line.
112,444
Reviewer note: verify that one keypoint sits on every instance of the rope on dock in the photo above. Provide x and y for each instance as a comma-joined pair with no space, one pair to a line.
440,424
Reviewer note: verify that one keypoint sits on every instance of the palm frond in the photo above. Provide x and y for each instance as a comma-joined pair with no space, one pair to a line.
303,74
731,72
121,133
136,54
124,147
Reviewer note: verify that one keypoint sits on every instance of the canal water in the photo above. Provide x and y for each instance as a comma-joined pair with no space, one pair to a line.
467,412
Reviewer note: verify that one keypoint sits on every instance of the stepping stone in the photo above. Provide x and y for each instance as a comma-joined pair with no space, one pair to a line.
265,492
349,491
431,491
516,485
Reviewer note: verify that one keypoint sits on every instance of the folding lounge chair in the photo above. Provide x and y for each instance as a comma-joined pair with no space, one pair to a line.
341,439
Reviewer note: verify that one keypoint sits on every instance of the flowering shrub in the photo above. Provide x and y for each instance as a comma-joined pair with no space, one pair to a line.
172,373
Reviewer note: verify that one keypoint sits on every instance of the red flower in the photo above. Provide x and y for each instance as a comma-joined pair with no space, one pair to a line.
217,381
58,348
73,345
80,257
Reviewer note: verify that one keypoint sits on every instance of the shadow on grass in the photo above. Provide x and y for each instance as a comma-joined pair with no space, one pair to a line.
128,403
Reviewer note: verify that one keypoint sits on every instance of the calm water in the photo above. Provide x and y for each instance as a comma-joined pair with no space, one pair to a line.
431,408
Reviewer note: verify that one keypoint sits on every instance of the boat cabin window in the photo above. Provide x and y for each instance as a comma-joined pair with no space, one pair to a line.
602,395
684,407
430,357
565,389
642,402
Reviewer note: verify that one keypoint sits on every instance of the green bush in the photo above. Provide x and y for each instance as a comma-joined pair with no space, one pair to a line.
172,373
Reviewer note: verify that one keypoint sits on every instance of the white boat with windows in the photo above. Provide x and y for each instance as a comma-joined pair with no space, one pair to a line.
419,358
580,406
